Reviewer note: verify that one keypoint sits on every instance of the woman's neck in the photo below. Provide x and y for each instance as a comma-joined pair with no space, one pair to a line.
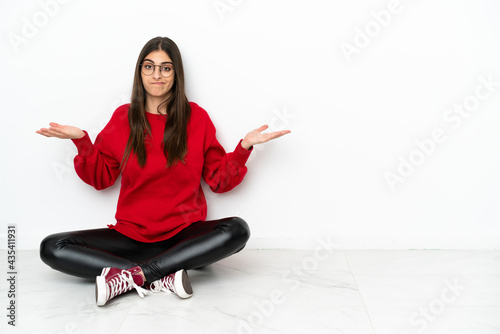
152,104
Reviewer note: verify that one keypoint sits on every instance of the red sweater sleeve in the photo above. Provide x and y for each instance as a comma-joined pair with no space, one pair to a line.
95,164
223,171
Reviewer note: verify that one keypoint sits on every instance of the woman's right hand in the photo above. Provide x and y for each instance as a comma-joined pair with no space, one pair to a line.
61,131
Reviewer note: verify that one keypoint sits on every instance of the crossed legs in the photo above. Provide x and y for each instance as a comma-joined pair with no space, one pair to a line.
85,253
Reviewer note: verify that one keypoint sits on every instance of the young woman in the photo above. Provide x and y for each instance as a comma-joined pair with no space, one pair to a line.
163,146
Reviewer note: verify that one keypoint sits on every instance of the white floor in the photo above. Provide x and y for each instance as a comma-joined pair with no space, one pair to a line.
278,291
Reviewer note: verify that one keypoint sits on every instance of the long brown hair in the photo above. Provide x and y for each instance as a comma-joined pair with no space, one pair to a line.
177,106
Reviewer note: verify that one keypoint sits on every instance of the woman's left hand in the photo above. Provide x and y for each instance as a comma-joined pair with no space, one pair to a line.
256,137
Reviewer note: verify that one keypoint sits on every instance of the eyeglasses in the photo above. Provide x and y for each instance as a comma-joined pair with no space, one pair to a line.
166,69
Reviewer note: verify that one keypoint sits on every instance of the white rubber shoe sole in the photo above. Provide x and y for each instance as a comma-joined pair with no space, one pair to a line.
182,285
100,288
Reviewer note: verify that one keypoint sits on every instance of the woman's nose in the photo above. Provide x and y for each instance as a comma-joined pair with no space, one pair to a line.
157,73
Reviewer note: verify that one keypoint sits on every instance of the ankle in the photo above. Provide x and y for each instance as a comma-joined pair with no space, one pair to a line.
138,275
142,275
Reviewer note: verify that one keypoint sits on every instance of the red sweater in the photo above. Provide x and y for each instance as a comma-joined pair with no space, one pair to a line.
157,202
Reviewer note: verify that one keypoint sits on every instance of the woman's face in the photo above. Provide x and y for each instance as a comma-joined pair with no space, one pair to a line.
156,84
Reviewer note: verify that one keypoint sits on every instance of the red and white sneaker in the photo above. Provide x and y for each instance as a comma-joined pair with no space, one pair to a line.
177,283
114,282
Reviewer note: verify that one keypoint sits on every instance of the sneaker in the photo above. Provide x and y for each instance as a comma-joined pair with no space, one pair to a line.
177,283
114,282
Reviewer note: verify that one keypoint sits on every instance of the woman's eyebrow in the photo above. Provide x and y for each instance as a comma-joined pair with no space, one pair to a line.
165,62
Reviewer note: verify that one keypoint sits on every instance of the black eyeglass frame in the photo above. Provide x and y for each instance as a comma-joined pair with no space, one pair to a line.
161,71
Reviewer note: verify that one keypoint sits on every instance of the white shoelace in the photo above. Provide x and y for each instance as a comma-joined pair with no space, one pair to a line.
165,285
124,282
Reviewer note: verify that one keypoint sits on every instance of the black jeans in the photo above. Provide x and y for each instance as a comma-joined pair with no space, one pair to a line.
84,253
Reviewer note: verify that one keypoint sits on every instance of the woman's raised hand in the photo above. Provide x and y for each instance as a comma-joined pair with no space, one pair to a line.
256,137
61,131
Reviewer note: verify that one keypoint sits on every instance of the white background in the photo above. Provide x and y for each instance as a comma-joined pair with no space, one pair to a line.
353,117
